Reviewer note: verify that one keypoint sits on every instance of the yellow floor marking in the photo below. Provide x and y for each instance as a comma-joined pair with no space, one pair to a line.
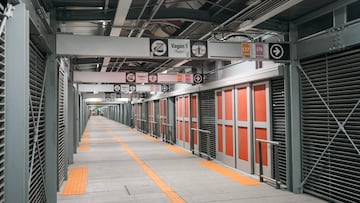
76,184
86,134
172,195
102,143
84,140
230,174
176,149
83,147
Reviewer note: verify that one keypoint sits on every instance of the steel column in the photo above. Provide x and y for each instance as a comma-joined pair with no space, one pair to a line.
292,117
17,108
71,118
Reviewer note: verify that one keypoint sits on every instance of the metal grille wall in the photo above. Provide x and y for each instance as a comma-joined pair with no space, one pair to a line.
278,123
207,120
2,115
331,126
61,128
37,126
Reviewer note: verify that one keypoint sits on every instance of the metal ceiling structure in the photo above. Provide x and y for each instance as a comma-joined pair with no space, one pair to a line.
232,20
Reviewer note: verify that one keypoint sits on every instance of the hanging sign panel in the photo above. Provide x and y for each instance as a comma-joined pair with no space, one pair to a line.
245,49
125,88
199,49
148,88
198,78
130,77
159,47
142,77
179,48
261,50
279,51
153,78
70,45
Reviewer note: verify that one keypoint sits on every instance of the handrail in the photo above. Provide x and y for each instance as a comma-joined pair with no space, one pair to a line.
268,141
153,122
165,135
276,163
200,130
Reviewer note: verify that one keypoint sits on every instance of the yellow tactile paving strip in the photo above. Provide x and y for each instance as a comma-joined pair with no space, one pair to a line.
176,150
230,174
76,184
169,192
84,141
83,148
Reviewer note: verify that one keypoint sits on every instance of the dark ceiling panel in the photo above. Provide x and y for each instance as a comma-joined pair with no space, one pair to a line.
163,14
301,9
84,3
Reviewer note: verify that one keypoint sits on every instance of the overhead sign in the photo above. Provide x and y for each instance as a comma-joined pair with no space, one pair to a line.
148,88
130,77
125,88
132,88
279,51
153,78
179,48
245,49
165,88
185,77
69,45
199,49
159,47
198,78
142,77
261,50
117,88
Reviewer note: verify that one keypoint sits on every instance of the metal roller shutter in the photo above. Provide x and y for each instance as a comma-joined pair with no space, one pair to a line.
37,126
2,115
278,123
61,128
207,120
330,155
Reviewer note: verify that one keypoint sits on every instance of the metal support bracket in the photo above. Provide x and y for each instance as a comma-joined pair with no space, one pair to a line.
9,10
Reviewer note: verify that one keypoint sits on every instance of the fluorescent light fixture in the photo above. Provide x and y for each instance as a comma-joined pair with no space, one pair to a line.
152,92
181,63
165,71
93,100
122,99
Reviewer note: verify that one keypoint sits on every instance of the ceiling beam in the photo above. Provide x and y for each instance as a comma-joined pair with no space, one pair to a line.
133,14
119,19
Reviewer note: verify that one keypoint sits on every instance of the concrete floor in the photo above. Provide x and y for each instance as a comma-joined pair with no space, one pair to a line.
114,176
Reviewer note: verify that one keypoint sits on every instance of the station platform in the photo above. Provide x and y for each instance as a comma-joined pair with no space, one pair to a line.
115,163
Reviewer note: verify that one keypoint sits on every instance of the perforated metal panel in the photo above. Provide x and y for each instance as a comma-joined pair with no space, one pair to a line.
330,158
207,120
278,123
61,128
37,126
2,115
